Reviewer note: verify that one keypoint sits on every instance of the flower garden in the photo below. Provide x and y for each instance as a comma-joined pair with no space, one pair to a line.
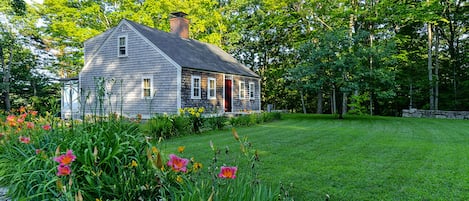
116,158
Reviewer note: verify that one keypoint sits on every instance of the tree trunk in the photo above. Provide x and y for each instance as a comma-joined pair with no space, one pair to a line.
340,105
452,62
333,101
437,66
410,96
355,94
6,77
430,66
303,101
344,103
371,72
320,100
3,66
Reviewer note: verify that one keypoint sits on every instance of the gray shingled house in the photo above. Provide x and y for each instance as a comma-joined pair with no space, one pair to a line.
135,69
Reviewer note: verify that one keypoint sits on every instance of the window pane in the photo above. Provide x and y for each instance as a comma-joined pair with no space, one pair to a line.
196,82
242,90
146,83
211,93
146,92
146,87
122,41
211,88
251,90
196,87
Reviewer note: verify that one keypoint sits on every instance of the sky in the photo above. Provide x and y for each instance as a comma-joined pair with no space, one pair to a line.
37,1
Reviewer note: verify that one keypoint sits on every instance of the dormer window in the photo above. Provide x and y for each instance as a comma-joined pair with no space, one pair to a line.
122,46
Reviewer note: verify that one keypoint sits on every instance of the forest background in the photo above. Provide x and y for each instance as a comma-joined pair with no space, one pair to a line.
314,56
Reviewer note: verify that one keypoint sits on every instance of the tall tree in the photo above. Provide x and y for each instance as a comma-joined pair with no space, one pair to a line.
70,23
263,35
7,46
6,57
388,45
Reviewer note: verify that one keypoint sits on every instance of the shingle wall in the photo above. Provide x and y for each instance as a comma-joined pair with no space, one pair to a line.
123,75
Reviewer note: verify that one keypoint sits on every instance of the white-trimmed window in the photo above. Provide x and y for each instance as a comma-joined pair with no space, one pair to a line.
242,90
252,90
212,88
147,87
122,46
195,87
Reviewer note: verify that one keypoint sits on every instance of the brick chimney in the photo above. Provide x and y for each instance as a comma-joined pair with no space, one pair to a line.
179,24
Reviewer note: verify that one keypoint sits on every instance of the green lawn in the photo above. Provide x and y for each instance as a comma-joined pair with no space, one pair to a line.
375,158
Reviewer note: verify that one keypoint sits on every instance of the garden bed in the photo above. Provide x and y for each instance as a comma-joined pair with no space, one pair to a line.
45,158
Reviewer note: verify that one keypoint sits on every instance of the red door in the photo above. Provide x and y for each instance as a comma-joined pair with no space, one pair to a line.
228,95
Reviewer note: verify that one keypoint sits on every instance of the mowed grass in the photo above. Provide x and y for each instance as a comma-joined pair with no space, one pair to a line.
358,158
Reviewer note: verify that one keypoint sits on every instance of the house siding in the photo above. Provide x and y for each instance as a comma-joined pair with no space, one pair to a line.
123,76
246,104
92,45
217,105
210,105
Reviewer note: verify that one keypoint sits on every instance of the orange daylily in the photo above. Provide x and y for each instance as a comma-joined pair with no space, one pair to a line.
227,172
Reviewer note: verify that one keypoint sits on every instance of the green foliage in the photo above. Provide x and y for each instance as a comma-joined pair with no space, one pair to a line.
188,121
114,161
216,122
275,39
22,61
253,119
164,126
357,104
194,115
191,121
68,33
105,153
182,125
242,120
19,7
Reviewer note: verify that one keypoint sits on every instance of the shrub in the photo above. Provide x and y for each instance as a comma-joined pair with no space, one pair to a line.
216,122
182,125
160,126
239,121
253,119
358,104
195,117
191,121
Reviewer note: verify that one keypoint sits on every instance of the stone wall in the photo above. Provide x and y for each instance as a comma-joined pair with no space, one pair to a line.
439,114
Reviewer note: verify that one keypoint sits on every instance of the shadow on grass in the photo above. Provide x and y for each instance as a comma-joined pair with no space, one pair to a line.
300,116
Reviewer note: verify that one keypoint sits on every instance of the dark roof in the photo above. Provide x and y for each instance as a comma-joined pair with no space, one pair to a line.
68,79
193,54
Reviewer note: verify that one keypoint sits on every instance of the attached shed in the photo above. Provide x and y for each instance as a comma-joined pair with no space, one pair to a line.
70,102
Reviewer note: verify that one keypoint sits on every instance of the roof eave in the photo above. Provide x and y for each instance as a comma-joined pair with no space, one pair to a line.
229,73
